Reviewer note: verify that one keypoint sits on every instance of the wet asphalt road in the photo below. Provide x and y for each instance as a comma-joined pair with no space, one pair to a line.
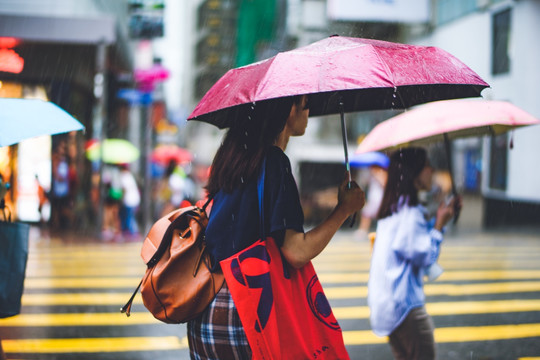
486,305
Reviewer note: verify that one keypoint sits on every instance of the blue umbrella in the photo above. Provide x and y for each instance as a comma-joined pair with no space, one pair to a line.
22,119
370,159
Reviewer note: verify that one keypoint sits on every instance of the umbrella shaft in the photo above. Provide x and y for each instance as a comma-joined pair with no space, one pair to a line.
345,143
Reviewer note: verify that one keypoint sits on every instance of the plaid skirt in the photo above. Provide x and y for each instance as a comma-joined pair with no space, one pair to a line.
217,334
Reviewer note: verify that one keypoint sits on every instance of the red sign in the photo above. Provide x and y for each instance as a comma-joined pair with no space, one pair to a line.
10,61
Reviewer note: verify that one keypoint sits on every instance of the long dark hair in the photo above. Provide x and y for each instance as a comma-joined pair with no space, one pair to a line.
247,141
405,165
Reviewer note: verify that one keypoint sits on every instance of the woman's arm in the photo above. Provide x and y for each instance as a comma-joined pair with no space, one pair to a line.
299,248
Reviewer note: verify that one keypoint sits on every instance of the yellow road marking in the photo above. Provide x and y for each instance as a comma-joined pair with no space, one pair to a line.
343,292
86,262
485,288
360,337
97,345
32,272
79,299
447,275
486,333
105,256
447,246
446,264
93,269
450,308
85,319
455,334
465,256
82,282
128,282
351,292
342,312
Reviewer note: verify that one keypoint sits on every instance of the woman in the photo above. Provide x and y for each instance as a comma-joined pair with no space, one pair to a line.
405,247
234,219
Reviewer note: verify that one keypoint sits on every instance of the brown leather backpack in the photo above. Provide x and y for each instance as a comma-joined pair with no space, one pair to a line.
178,284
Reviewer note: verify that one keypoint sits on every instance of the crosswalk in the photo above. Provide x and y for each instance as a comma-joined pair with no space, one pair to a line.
486,305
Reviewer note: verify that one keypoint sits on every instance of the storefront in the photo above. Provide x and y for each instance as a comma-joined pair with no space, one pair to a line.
69,62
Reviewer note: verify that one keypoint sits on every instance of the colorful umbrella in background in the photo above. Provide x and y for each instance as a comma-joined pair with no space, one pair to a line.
449,119
341,74
368,159
115,151
22,119
164,154
445,120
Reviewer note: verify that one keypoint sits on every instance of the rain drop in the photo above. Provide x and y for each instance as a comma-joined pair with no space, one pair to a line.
245,146
242,179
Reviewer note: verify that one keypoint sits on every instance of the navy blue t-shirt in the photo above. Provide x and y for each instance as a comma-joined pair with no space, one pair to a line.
234,217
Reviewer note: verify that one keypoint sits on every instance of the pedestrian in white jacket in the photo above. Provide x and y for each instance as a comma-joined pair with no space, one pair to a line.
406,245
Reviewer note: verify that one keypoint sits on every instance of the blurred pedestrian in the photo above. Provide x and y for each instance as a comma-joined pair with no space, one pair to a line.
60,188
131,199
111,210
406,245
234,220
42,201
177,189
374,195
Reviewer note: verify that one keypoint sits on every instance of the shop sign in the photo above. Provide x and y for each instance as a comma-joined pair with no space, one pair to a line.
10,61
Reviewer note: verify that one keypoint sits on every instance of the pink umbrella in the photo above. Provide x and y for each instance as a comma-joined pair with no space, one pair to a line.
449,119
445,120
342,74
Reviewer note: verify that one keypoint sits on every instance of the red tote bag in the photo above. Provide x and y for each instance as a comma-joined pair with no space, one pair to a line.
284,311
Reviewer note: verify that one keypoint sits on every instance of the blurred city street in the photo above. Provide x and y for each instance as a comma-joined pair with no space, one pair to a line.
127,75
486,305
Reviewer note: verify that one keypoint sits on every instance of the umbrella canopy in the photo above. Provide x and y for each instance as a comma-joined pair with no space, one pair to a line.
373,158
342,74
22,119
115,151
430,123
164,154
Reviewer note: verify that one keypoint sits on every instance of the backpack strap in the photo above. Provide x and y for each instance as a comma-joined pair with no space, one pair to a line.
260,193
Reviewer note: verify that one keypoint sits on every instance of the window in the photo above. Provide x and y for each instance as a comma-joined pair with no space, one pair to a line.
448,10
500,63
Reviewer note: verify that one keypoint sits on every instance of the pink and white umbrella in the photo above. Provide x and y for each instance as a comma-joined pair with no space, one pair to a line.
341,74
450,119
445,120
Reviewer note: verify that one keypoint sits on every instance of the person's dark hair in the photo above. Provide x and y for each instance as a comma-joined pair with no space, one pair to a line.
170,168
247,141
405,165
